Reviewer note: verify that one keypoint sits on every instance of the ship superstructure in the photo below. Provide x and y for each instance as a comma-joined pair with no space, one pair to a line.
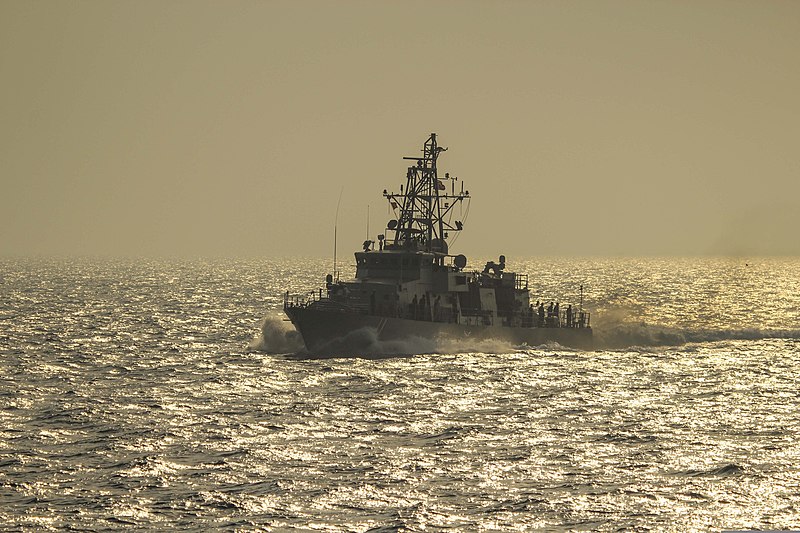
409,285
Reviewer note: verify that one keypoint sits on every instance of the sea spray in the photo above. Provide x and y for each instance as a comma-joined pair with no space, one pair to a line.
277,336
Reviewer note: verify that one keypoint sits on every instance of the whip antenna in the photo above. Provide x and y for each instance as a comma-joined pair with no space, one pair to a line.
335,224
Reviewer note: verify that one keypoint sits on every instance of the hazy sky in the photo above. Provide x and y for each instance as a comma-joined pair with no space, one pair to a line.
229,128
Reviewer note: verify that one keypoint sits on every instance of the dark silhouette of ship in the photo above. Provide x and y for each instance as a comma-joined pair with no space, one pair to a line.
412,287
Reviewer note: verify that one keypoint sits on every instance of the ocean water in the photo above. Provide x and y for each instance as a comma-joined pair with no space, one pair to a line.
171,395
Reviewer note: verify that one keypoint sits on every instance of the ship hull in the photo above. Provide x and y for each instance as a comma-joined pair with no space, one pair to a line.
329,333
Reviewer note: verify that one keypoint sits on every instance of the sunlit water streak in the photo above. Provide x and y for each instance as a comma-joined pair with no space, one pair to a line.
132,395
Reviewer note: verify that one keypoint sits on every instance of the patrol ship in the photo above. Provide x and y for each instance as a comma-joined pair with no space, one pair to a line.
411,286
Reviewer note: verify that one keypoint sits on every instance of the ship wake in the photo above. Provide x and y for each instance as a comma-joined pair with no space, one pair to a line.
616,331
630,335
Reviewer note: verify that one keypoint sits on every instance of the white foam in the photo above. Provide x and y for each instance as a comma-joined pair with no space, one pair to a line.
277,336
642,334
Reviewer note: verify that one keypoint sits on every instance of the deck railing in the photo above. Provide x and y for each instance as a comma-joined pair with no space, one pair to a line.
303,300
578,319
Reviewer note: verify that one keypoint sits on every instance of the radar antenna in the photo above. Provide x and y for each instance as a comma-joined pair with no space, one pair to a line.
424,205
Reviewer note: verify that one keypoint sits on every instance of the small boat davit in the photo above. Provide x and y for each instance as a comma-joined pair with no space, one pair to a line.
410,286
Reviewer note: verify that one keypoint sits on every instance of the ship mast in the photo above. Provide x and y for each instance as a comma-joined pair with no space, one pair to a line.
425,204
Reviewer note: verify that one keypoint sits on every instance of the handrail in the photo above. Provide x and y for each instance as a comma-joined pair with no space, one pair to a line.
579,319
302,300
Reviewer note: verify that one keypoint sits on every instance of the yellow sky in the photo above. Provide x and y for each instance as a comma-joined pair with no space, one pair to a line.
229,128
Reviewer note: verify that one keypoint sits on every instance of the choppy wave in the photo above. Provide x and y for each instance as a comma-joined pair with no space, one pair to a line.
728,470
130,399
